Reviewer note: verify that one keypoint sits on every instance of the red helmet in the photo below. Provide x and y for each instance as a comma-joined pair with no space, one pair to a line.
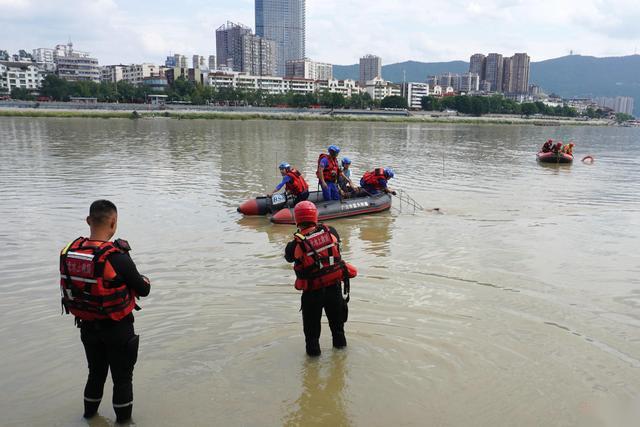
305,211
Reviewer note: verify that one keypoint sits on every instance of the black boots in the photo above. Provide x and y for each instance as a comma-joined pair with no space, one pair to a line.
313,349
339,341
90,408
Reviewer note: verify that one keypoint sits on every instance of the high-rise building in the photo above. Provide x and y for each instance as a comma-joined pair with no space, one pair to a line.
239,50
477,64
623,104
308,69
520,64
494,71
507,76
229,45
258,56
370,68
212,62
282,21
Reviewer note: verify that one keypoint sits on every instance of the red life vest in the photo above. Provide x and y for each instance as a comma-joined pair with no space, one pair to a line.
330,173
297,184
318,262
90,288
372,178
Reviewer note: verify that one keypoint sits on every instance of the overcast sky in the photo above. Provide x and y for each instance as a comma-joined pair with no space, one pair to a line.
338,31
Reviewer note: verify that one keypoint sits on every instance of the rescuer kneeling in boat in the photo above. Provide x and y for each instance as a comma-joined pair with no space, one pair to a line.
328,173
100,284
320,270
546,147
375,181
294,183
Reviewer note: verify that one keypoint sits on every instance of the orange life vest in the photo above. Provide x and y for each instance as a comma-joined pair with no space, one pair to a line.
297,184
90,287
372,178
318,263
330,173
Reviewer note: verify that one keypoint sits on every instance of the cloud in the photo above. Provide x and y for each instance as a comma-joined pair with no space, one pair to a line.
338,31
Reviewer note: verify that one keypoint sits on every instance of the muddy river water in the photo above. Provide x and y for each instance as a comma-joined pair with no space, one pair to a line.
518,304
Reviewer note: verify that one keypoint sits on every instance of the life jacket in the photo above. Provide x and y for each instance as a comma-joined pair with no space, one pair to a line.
372,178
297,184
331,172
90,288
318,262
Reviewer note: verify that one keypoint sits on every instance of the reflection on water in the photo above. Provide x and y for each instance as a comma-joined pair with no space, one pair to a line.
322,400
452,312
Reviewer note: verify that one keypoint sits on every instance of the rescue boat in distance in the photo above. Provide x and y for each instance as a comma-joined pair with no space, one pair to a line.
552,157
282,207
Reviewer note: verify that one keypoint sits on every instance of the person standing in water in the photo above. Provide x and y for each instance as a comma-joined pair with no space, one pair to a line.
320,271
100,283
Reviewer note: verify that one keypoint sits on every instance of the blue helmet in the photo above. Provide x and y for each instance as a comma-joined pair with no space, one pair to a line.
346,161
334,148
284,165
388,172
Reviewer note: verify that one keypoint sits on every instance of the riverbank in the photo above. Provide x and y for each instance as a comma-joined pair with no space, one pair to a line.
253,113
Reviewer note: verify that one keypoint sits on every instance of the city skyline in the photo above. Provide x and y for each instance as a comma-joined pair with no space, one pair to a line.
116,31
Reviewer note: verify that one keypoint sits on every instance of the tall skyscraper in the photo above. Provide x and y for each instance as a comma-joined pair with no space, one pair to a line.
240,50
520,73
282,21
370,68
494,71
229,45
477,64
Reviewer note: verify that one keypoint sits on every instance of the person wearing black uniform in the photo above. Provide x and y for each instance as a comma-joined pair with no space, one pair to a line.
320,270
100,284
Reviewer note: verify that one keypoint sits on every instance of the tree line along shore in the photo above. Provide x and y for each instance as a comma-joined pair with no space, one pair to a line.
185,93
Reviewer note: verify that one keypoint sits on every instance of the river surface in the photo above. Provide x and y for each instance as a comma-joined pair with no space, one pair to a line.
517,304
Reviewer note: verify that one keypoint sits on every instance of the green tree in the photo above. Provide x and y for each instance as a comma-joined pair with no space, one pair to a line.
393,102
529,109
622,117
55,88
22,93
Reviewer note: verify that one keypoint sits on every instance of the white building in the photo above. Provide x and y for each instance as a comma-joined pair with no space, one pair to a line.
44,59
112,73
136,73
23,75
308,69
74,65
379,88
344,87
279,85
413,93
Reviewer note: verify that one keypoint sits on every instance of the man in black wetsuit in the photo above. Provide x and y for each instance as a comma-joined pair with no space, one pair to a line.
320,270
100,284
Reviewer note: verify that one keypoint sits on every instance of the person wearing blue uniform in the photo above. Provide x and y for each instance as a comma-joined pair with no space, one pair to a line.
294,183
328,173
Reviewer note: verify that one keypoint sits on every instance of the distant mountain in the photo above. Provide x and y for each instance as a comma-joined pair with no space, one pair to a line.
568,76
588,76
415,71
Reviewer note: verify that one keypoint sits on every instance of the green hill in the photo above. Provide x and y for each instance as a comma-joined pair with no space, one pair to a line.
568,76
